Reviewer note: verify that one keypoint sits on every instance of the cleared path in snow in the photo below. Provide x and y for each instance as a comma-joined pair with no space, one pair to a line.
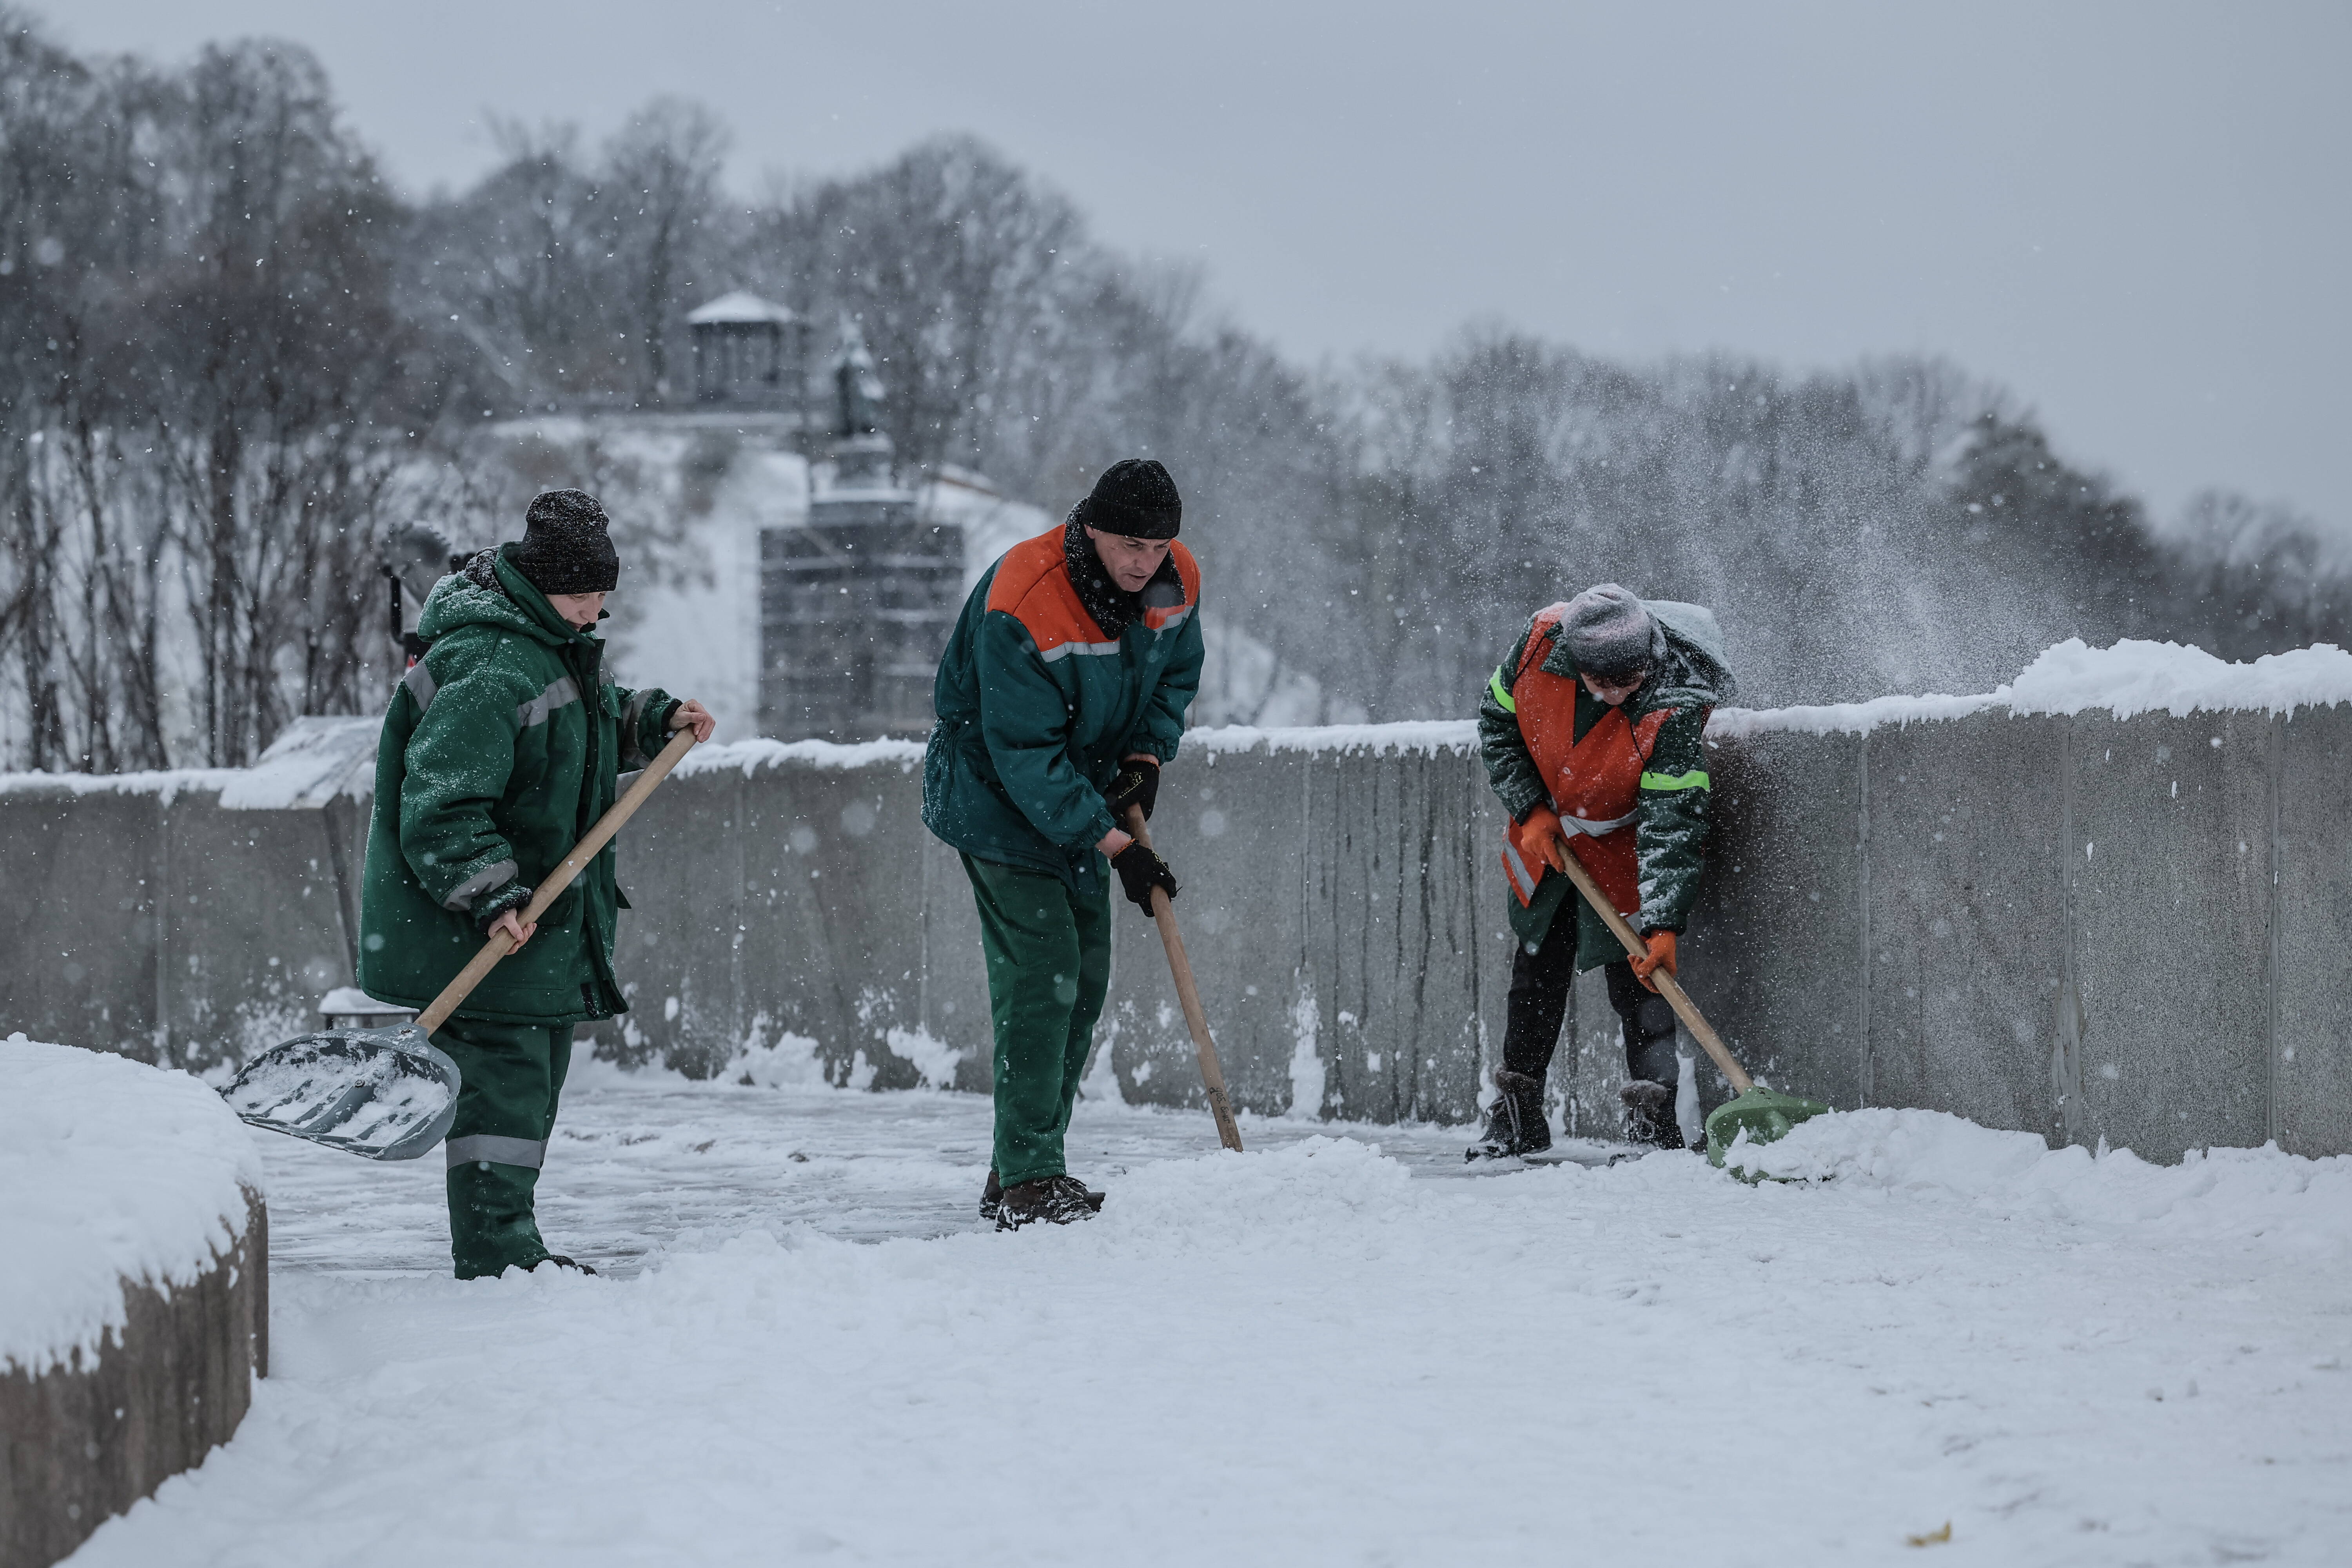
1310,1353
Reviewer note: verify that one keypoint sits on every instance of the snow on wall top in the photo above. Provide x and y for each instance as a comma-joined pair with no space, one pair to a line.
1427,736
751,756
114,1171
165,782
2131,678
317,759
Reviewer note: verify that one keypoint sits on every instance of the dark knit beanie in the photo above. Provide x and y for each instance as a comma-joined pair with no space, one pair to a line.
564,548
1607,633
1136,497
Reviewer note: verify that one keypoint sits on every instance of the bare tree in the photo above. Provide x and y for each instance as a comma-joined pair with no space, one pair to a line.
660,177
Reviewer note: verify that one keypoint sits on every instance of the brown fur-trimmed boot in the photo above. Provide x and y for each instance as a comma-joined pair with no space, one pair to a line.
1650,1114
1515,1122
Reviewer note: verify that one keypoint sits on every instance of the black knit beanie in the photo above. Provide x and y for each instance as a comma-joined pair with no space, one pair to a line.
1135,498
564,548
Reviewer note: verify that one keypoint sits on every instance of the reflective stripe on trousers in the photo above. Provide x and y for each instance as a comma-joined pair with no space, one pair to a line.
530,1153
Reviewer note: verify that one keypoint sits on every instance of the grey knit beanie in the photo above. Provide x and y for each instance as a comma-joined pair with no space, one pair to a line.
1609,634
564,547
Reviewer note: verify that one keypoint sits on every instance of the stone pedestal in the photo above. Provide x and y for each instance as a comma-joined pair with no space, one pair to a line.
82,1442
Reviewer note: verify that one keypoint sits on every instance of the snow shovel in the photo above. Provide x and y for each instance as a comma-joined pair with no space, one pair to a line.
1213,1076
1764,1114
390,1093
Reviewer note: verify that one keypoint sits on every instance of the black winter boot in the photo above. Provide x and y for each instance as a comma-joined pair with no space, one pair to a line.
1514,1124
1650,1114
563,1262
991,1195
1052,1200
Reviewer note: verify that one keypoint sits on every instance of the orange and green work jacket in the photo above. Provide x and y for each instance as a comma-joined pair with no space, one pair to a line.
1630,784
1037,707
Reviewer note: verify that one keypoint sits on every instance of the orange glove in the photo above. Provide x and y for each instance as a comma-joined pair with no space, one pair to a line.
1661,956
1538,840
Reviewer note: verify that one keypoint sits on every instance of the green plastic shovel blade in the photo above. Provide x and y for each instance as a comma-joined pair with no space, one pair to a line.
1766,1115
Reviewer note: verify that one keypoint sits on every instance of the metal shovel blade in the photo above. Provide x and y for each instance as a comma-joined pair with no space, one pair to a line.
382,1094
1764,1114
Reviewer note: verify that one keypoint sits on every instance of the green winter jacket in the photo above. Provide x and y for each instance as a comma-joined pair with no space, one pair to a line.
1671,835
491,766
1036,708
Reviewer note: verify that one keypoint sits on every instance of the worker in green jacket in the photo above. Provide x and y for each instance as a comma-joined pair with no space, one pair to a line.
1593,732
501,748
1060,697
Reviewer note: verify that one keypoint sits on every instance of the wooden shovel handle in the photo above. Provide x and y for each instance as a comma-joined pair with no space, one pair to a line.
1668,987
1213,1076
500,945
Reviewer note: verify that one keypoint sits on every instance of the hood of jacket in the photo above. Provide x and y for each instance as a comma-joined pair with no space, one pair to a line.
1697,669
491,591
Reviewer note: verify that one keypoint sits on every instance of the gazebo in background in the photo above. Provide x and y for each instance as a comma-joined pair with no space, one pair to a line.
749,352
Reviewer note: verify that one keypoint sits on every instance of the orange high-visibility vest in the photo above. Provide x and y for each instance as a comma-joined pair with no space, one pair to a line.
1595,783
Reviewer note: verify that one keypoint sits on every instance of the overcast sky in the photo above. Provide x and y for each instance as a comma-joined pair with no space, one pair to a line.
2138,217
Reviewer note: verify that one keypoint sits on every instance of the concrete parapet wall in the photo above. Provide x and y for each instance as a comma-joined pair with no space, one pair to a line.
2137,930
151,920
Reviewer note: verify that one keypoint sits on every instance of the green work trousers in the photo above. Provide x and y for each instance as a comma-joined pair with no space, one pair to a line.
1048,951
506,1111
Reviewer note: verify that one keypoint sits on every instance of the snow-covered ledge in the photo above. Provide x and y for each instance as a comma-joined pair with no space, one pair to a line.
134,1305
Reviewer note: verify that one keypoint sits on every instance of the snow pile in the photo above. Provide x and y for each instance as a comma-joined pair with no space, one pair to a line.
788,1061
2131,678
114,1171
2134,677
313,761
2305,1205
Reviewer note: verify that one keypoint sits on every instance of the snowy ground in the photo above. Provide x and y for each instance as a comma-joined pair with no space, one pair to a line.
808,1348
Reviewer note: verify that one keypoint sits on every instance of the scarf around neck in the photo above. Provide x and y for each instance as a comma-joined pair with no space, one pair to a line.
1114,609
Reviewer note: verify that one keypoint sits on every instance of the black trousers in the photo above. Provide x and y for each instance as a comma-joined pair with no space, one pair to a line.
1539,1001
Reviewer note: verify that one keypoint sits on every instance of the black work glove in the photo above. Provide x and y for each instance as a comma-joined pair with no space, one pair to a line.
1139,870
513,895
1137,784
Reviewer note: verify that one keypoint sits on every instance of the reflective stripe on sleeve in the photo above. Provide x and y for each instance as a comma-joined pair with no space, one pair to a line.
1064,650
561,693
1495,685
421,685
526,1151
1695,779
